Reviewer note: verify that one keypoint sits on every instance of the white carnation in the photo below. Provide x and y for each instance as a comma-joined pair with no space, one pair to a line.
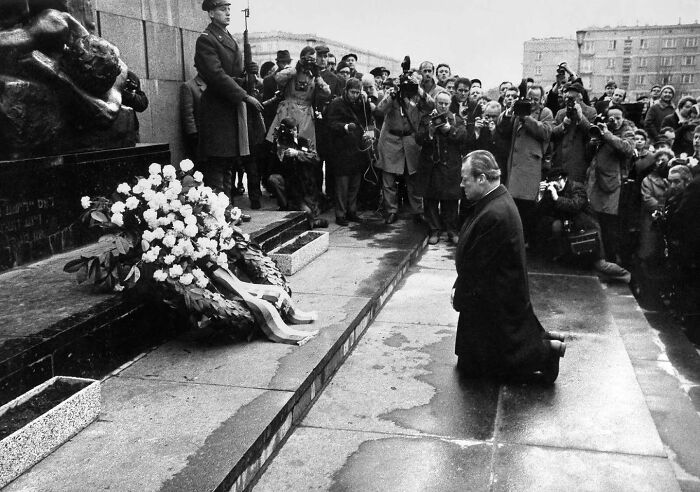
186,279
160,276
150,216
85,202
186,165
169,259
169,241
117,219
178,226
222,260
191,230
132,202
202,282
155,179
186,210
154,169
191,220
118,208
159,233
178,250
175,271
169,171
123,188
198,176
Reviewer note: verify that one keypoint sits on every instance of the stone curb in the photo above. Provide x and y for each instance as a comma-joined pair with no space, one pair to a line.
254,461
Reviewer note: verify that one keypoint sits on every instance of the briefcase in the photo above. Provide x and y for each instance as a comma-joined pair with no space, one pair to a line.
582,243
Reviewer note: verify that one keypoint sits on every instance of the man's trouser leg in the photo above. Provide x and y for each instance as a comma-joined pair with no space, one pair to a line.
217,174
390,192
432,214
275,184
353,190
609,225
342,185
448,214
253,177
415,201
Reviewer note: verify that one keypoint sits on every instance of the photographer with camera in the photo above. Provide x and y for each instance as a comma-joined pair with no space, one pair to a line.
350,124
442,136
402,109
564,214
299,85
654,190
293,178
611,147
528,125
570,133
134,97
556,93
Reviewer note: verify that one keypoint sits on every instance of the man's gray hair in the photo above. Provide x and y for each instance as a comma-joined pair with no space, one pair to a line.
493,105
483,162
684,172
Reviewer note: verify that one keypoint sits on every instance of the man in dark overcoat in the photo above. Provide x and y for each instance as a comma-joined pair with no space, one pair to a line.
228,129
442,136
347,118
498,334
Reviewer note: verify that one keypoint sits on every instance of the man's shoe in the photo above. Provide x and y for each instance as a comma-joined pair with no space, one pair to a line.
550,371
240,190
390,219
613,271
255,204
353,218
554,335
341,221
453,238
434,238
316,223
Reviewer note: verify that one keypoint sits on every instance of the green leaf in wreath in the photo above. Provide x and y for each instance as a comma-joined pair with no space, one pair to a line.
134,274
74,266
123,245
99,217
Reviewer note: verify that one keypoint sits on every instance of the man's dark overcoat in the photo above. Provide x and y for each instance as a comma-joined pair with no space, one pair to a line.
498,332
219,61
441,159
347,158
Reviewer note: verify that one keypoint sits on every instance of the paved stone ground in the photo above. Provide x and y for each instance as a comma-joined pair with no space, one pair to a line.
398,417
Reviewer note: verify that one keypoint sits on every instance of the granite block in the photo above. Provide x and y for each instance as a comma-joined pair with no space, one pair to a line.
162,11
290,263
128,8
27,446
164,53
127,34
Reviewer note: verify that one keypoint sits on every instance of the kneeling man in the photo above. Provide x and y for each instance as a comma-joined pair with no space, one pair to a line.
498,333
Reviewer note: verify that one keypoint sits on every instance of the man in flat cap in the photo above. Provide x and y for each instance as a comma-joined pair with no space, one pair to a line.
350,59
231,123
570,133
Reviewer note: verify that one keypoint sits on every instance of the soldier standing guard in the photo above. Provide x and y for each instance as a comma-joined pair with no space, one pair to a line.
230,120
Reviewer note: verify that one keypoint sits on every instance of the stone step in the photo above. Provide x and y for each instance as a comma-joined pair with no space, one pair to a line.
51,326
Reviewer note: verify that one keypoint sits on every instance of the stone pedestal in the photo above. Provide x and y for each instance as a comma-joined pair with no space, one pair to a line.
40,197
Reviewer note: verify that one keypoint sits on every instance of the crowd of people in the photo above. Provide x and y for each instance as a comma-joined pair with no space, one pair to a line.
594,179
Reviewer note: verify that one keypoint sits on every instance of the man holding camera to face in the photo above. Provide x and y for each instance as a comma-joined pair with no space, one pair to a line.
442,136
529,126
611,146
403,109
570,133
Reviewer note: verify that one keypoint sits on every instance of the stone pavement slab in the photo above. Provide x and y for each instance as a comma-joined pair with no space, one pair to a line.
399,392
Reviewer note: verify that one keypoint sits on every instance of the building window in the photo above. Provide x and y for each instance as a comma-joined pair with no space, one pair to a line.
643,61
669,43
667,79
625,81
666,61
586,66
612,44
538,70
538,56
588,47
641,79
687,78
611,62
688,60
643,44
691,42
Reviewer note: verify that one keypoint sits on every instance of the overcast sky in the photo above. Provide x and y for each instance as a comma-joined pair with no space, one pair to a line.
481,39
